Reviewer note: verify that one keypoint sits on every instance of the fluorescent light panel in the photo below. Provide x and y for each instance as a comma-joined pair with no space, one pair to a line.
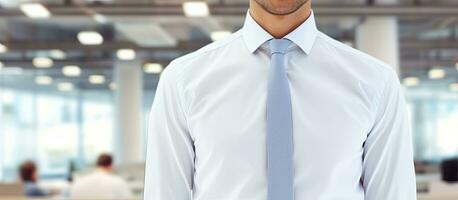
43,80
153,68
113,86
57,54
90,38
42,62
100,18
454,87
65,86
3,48
126,54
196,9
35,10
96,79
71,70
436,73
411,81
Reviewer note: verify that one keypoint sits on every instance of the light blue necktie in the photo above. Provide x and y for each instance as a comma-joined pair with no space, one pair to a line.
279,126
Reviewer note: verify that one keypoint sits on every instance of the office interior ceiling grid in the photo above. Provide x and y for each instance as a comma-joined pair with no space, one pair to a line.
425,41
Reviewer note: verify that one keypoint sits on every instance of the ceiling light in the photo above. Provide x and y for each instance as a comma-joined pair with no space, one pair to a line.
411,81
96,79
71,70
65,86
196,9
217,35
42,62
153,68
90,38
436,73
57,54
113,86
3,48
35,10
43,80
125,54
100,18
454,87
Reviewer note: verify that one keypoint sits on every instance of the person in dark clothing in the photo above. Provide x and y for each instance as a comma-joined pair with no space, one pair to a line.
449,170
28,173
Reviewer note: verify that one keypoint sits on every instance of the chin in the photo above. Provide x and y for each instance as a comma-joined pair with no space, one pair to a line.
283,7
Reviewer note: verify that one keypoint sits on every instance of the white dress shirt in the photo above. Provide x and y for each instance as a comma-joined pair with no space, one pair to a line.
100,185
207,128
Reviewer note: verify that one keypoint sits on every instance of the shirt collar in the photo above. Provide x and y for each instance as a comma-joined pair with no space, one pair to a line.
303,36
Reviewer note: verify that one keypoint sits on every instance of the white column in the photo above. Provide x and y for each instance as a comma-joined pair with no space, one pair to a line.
128,111
378,36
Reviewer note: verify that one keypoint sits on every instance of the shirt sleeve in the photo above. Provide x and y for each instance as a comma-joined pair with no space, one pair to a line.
169,167
388,170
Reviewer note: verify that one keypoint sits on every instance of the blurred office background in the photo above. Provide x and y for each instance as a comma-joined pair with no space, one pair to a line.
77,77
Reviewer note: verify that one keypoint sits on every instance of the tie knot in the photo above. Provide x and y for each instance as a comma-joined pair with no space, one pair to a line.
279,45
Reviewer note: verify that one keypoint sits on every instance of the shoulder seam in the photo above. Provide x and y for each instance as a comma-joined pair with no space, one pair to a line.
340,46
179,71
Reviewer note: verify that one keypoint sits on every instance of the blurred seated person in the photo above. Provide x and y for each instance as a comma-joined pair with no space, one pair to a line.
449,183
29,177
101,183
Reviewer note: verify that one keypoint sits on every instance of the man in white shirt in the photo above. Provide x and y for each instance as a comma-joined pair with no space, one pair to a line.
279,111
101,184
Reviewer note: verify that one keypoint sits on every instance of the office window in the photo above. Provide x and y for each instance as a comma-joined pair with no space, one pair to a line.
434,116
56,132
54,129
16,130
97,125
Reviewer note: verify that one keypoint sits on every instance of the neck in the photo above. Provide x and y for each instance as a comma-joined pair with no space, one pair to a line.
279,25
103,169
